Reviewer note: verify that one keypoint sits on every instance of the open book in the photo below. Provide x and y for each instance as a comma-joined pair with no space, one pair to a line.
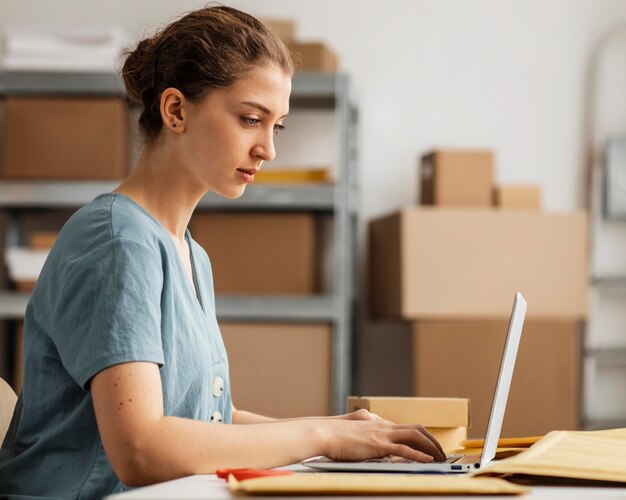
568,455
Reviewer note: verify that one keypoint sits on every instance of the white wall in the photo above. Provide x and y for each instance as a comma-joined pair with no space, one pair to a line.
503,74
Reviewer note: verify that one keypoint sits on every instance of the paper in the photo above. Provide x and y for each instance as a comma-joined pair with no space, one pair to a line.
89,49
388,484
518,442
25,264
595,455
500,452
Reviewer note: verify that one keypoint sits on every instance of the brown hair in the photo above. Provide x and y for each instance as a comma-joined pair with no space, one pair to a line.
208,48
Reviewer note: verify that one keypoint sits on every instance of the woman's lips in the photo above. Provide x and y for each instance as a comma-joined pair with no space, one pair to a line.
247,174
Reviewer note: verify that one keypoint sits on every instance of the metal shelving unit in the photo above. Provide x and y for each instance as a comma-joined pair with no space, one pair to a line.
53,194
229,307
604,354
309,90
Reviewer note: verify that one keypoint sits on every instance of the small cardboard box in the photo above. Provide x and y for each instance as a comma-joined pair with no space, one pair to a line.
280,370
457,178
447,419
429,263
315,56
64,138
43,240
284,28
260,253
517,197
430,412
544,393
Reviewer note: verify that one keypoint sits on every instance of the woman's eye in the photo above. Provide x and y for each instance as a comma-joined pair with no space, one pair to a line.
278,128
250,121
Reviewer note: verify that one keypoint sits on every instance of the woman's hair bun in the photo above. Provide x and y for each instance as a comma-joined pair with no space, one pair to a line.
207,48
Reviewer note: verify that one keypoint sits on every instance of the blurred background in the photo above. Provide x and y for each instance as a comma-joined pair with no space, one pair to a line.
439,156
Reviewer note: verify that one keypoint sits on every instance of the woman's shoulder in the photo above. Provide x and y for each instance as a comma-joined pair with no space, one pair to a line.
113,216
110,220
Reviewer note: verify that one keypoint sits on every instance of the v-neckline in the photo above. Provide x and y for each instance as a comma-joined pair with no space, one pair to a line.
194,276
194,285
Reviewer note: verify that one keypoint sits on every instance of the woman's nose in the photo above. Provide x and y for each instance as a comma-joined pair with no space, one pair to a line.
265,148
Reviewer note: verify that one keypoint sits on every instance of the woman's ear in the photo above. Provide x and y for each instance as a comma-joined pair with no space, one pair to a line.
173,109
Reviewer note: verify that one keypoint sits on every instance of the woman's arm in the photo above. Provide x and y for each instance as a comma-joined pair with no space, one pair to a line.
146,447
247,417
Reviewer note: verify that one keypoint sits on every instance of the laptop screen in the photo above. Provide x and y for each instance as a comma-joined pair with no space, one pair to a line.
504,379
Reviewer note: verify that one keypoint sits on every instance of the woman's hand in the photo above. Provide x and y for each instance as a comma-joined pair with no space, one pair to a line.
363,414
362,437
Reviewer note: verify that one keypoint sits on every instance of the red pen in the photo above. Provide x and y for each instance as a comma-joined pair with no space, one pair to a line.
243,474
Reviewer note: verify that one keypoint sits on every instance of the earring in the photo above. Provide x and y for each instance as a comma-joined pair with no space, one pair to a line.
174,125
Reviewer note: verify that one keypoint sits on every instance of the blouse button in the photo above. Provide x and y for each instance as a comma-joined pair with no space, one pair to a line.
218,386
216,417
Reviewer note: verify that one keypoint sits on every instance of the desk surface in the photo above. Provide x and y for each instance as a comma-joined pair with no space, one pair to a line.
210,486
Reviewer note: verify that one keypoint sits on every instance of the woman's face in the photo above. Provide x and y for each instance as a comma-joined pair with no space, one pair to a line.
230,133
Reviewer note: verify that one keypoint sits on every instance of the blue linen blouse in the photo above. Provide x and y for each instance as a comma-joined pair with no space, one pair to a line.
113,290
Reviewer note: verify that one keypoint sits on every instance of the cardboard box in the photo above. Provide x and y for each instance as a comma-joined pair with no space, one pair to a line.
457,178
450,439
462,359
64,138
314,56
43,240
430,412
35,223
429,263
447,419
280,370
284,28
259,253
517,197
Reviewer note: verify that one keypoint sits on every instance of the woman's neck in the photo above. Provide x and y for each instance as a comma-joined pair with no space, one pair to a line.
163,189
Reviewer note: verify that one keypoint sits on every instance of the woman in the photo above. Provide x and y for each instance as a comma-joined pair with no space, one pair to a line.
125,371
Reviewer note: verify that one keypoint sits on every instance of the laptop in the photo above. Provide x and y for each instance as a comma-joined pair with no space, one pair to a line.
454,463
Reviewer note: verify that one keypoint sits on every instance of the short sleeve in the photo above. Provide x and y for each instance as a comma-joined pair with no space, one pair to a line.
109,310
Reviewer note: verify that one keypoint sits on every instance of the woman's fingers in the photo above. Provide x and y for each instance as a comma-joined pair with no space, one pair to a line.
416,439
402,450
424,431
360,440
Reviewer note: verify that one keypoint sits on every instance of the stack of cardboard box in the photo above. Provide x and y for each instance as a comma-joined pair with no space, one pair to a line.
280,369
310,55
452,268
277,369
51,137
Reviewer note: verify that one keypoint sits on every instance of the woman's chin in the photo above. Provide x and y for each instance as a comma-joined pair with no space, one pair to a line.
232,193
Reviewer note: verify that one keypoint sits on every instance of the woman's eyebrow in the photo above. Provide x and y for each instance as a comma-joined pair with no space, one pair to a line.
258,106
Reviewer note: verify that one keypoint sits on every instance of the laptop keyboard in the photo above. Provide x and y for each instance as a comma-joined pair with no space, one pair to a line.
392,459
